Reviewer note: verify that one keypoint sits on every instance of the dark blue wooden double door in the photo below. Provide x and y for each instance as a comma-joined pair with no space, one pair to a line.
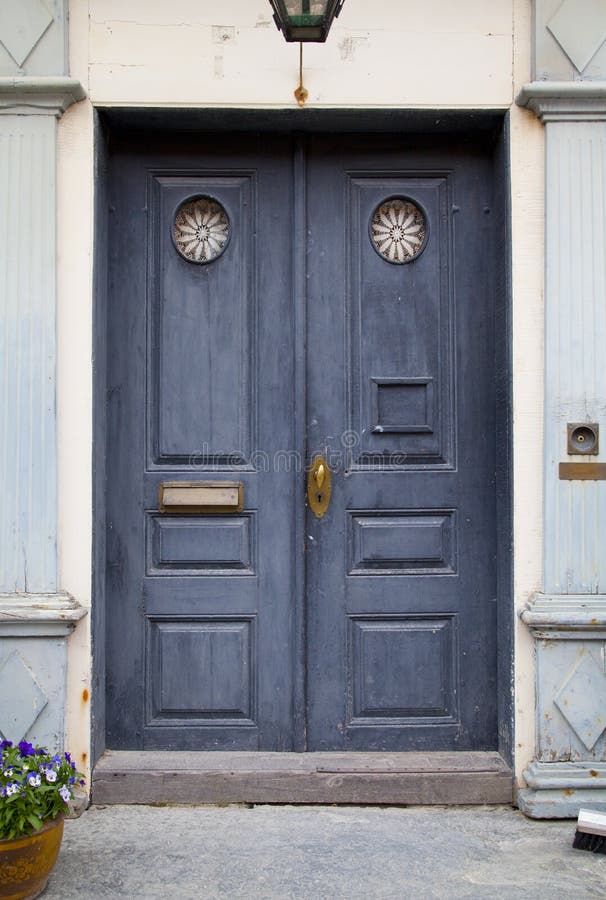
273,299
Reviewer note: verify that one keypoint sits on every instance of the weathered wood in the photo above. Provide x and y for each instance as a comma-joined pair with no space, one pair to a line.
401,574
201,379
396,779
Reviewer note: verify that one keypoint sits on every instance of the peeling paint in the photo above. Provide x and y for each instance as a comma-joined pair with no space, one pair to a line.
349,46
224,34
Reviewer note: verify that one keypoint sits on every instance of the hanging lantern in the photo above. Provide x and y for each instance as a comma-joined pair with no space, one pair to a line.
305,20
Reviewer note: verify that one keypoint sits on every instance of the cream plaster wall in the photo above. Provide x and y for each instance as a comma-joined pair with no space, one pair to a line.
470,54
527,222
391,53
75,193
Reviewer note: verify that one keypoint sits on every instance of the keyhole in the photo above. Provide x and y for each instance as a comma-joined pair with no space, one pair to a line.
318,498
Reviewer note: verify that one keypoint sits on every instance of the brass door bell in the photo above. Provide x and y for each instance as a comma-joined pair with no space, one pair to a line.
583,438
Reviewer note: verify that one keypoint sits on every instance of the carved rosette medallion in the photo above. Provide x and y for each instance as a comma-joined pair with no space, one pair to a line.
201,230
398,230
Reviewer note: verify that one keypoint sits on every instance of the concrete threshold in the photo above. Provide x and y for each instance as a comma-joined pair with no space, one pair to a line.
394,779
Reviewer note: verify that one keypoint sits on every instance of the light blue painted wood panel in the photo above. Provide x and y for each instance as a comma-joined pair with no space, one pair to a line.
32,687
33,37
28,465
575,363
569,40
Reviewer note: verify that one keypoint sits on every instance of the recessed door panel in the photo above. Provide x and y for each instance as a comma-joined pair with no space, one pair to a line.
202,341
401,364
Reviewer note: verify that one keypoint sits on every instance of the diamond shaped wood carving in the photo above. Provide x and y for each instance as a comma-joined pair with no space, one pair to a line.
579,27
22,25
582,699
22,698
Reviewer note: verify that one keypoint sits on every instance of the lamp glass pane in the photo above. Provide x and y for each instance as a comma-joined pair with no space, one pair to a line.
306,12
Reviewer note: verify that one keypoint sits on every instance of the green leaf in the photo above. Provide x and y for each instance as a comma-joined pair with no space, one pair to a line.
34,822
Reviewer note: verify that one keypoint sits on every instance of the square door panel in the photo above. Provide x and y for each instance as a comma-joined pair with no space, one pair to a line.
200,671
402,670
402,405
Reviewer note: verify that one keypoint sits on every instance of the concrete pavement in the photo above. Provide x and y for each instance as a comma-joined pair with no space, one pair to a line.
312,853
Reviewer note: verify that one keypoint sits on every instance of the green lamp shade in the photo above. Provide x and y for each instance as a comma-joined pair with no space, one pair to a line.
305,20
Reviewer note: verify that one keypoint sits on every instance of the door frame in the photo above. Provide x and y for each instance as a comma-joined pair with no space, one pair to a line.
410,124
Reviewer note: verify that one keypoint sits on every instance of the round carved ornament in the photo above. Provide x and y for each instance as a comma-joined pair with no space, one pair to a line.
201,230
398,230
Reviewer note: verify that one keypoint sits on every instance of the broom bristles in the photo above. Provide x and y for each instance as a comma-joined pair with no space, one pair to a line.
595,843
591,832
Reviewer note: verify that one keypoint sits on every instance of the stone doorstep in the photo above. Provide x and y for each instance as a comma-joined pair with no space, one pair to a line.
395,779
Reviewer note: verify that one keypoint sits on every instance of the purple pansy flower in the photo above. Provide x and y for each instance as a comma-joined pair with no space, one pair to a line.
26,749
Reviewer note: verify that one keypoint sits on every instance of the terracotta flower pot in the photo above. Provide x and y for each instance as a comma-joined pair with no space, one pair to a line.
26,862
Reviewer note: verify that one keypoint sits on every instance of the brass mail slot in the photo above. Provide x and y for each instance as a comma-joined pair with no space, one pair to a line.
201,496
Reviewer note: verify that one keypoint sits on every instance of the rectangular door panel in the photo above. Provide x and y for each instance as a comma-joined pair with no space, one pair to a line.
200,545
405,542
402,670
401,359
203,350
200,671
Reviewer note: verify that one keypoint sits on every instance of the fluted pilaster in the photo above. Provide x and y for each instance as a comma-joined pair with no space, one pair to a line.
575,358
35,618
568,619
28,519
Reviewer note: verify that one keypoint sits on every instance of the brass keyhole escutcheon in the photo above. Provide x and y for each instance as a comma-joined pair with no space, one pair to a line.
319,486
